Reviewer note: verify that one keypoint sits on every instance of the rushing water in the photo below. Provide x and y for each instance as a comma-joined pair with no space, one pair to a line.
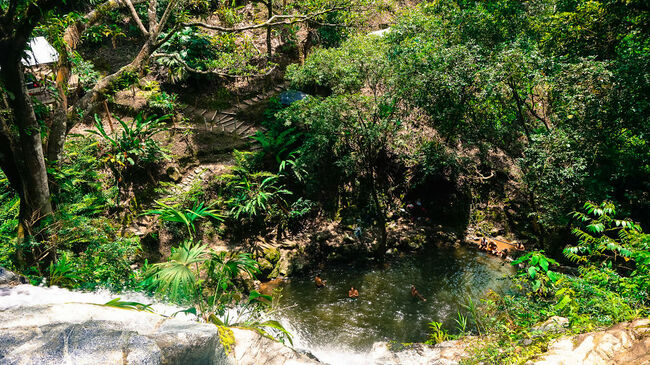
333,327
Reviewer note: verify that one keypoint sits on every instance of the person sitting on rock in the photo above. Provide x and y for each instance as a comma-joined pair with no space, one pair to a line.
492,246
319,282
483,244
416,294
353,293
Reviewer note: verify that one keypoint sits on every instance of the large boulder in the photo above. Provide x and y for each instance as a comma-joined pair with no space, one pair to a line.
624,343
86,333
76,333
10,278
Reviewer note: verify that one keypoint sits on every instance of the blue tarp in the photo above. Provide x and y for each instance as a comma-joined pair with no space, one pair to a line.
291,96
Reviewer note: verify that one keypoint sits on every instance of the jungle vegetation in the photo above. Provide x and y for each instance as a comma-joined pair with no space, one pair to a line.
529,118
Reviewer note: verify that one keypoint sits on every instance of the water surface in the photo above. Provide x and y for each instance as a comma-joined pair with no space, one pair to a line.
325,321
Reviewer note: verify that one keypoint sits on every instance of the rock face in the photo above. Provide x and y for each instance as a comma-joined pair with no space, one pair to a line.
251,348
444,353
553,324
625,343
75,333
10,278
84,333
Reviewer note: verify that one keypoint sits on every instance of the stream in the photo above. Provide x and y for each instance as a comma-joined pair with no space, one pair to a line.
336,329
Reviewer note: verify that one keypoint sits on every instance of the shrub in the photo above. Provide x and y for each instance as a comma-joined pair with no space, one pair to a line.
133,146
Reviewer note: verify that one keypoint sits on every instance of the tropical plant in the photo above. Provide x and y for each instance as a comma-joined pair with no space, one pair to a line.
178,278
604,238
277,144
131,305
62,272
437,335
252,193
537,271
187,216
223,268
616,245
206,279
134,144
161,102
475,314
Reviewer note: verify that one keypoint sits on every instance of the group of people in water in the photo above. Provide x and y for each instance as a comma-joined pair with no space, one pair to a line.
353,293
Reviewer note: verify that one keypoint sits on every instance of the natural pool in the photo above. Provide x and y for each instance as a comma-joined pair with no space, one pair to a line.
333,327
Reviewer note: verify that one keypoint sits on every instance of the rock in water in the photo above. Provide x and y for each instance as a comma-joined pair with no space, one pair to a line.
84,333
10,278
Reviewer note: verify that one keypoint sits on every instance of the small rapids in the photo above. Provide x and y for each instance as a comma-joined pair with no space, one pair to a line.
24,295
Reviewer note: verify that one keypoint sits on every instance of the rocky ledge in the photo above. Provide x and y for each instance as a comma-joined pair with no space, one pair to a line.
86,333
624,343
444,353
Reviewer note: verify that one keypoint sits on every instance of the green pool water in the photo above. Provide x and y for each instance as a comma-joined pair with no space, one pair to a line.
326,322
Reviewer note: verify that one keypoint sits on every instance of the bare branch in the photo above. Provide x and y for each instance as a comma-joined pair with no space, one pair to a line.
207,72
136,17
483,177
170,7
273,21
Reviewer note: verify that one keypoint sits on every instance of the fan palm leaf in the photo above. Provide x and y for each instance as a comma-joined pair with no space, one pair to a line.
177,278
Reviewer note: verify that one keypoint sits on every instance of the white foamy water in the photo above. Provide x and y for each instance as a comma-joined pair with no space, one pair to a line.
29,295
326,351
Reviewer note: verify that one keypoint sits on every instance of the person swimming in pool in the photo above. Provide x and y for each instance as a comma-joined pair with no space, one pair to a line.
353,293
416,294
319,282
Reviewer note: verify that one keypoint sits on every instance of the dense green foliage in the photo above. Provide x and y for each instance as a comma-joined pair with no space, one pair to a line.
465,115
496,83
610,286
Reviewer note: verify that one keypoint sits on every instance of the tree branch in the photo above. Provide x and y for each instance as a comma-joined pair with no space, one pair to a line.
271,22
136,17
170,6
207,72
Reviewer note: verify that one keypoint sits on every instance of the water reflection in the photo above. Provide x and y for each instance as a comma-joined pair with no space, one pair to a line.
385,311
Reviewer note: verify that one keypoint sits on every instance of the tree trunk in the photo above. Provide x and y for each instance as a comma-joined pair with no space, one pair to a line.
520,113
28,151
58,129
269,47
92,97
381,219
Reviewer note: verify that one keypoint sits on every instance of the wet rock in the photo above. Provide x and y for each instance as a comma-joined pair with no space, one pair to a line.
553,324
150,244
10,278
444,353
284,264
266,268
76,333
414,242
272,255
251,348
625,343
81,333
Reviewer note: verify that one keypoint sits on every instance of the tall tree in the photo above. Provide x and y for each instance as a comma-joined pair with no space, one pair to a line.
21,147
